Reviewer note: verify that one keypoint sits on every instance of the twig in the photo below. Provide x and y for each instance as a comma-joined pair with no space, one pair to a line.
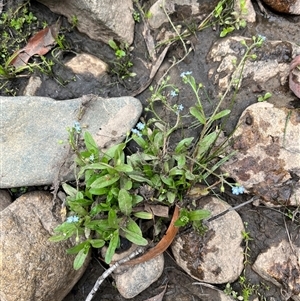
231,209
110,270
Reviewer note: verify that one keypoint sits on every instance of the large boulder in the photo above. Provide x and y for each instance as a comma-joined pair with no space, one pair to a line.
34,136
33,268
267,159
101,20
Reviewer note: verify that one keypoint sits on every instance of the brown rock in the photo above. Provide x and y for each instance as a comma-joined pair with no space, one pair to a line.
33,268
5,199
284,6
280,265
267,161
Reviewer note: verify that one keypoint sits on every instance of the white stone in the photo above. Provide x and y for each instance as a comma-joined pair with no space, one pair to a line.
217,256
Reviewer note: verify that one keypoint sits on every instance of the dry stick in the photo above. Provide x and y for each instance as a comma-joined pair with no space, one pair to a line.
110,270
231,209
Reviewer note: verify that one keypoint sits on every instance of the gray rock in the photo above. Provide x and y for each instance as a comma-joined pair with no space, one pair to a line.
5,199
132,280
217,256
280,265
267,161
33,268
34,137
158,16
101,20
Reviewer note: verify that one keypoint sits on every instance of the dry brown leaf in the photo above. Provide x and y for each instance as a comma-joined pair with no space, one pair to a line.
163,244
39,44
294,76
157,210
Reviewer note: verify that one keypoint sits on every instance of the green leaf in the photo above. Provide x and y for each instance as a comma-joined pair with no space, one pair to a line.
143,215
90,144
220,114
167,180
189,175
158,140
141,142
139,178
76,249
80,258
112,219
98,191
69,190
113,244
133,226
181,160
124,168
198,215
97,243
171,197
59,237
183,145
113,45
198,115
175,171
106,180
205,143
134,234
125,201
135,238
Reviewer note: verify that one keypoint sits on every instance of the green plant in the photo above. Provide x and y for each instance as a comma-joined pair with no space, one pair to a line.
264,97
122,63
136,16
74,21
111,188
228,18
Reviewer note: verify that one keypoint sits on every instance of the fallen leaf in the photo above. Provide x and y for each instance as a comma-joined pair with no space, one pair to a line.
39,44
163,244
157,210
294,76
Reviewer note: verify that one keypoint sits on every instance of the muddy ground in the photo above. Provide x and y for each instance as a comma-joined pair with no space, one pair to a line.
266,226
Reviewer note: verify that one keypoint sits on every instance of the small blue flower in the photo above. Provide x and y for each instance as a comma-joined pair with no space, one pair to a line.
72,219
180,107
140,126
238,190
92,158
262,37
77,126
137,132
186,73
173,93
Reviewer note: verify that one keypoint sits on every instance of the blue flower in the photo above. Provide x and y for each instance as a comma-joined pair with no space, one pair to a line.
173,93
77,126
238,190
185,73
262,37
140,126
72,219
137,132
180,107
92,158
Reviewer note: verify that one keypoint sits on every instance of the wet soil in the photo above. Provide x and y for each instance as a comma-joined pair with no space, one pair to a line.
266,226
